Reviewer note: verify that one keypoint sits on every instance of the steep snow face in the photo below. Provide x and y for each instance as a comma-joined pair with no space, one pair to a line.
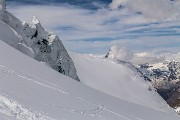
11,37
39,44
117,80
32,91
8,35
118,53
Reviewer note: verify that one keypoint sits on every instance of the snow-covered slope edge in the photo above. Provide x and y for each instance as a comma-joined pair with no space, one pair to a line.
117,80
160,68
36,42
29,90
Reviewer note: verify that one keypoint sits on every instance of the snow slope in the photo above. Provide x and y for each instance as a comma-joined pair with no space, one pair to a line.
9,35
30,90
161,68
117,80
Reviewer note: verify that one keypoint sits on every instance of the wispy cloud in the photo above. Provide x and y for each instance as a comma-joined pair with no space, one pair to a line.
157,9
94,31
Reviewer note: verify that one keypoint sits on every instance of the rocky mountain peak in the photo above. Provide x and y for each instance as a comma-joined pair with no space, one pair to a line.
39,43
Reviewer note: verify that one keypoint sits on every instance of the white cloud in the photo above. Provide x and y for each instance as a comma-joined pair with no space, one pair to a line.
72,24
155,9
80,23
119,53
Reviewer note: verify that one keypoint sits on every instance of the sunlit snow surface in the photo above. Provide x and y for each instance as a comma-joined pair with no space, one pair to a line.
117,80
31,91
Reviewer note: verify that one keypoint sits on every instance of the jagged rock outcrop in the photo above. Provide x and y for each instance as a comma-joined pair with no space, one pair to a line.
40,44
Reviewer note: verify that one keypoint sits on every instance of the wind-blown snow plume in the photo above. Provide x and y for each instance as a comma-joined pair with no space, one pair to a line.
118,53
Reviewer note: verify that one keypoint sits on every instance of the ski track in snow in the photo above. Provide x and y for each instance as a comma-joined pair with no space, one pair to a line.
14,109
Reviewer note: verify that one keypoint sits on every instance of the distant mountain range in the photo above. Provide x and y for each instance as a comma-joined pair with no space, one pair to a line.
165,77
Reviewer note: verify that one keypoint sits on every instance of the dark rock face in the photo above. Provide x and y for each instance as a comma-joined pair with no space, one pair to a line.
174,99
174,68
166,80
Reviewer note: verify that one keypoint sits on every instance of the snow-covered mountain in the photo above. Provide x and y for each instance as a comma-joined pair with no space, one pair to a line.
117,80
31,90
36,42
162,70
165,77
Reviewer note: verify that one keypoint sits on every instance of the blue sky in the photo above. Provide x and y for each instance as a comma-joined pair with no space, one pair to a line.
92,26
